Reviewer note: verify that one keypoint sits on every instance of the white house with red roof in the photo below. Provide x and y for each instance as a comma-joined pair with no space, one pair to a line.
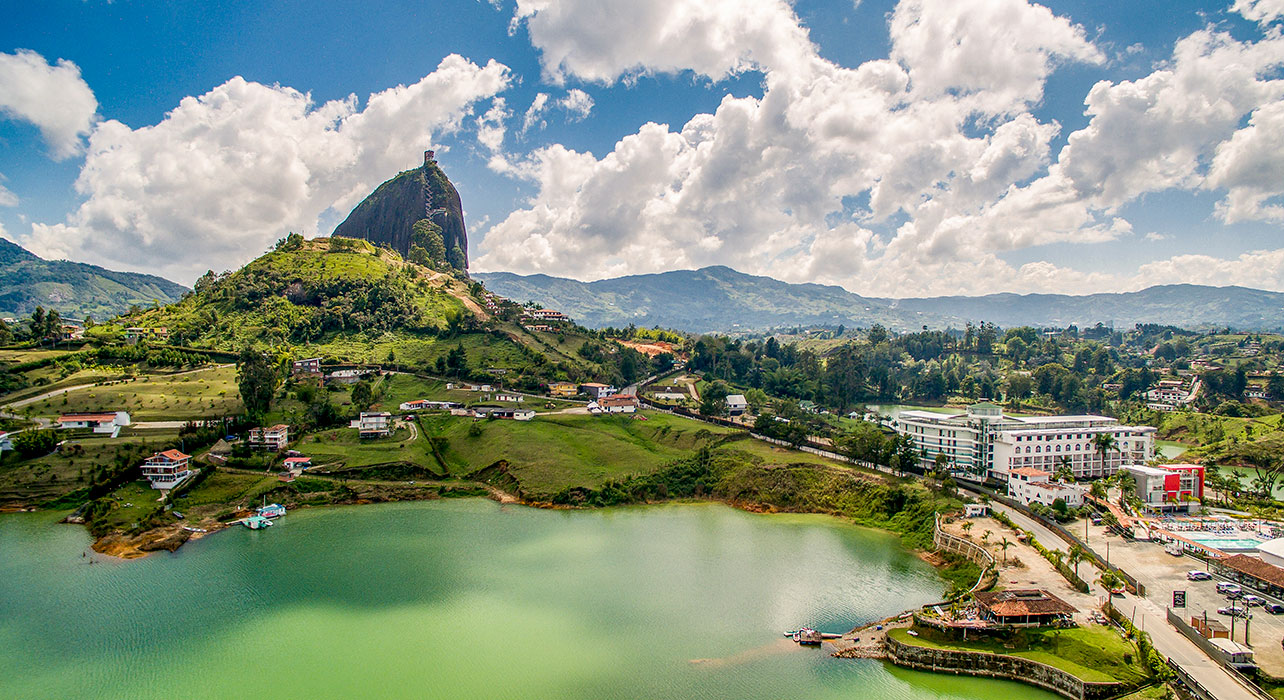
97,422
166,469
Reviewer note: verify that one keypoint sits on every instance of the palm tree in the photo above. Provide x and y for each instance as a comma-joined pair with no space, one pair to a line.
1109,580
1104,443
1127,490
1075,556
1004,544
967,528
1098,489
1064,471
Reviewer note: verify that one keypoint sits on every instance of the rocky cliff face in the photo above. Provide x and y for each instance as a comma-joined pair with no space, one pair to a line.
388,215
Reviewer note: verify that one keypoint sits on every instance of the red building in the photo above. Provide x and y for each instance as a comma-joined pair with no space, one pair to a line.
1169,486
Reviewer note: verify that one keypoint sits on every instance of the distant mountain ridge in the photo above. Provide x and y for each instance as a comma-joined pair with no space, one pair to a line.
73,289
722,299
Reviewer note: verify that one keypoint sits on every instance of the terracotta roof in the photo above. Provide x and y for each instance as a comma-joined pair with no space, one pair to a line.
618,401
86,416
1256,568
172,455
595,384
1021,602
1030,471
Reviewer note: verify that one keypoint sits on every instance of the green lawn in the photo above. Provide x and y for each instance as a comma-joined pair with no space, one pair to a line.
551,453
341,446
158,397
131,503
1094,654
224,488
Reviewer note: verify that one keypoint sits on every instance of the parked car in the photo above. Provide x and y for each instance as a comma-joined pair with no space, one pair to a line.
1255,601
1236,612
1198,576
1273,608
1229,588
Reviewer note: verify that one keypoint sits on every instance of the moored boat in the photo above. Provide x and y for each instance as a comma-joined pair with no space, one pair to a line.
257,522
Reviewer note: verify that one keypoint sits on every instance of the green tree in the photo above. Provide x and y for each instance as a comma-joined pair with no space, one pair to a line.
257,379
362,395
1077,554
32,443
713,400
1004,544
1104,443
456,257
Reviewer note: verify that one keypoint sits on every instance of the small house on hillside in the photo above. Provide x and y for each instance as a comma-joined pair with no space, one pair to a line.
562,389
425,405
373,425
1023,607
736,404
97,422
597,390
615,404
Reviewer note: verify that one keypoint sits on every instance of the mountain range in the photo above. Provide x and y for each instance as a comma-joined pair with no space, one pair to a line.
73,289
724,300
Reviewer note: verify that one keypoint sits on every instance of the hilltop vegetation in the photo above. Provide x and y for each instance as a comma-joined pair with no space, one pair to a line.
306,292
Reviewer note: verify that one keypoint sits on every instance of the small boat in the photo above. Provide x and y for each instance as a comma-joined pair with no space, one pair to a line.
791,633
808,637
257,522
272,510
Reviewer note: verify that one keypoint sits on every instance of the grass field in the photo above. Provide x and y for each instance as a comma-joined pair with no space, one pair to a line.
158,397
342,446
1094,654
132,502
551,453
16,356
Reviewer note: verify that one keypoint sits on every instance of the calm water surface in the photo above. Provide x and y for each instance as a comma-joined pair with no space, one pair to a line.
464,599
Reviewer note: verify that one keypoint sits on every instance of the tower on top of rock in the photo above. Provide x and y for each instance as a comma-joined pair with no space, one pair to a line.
430,157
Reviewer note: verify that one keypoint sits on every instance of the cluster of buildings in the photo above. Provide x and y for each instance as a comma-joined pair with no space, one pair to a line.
310,370
1024,453
1172,394
133,334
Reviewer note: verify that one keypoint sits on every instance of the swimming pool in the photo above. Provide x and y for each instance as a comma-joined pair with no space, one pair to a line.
1225,544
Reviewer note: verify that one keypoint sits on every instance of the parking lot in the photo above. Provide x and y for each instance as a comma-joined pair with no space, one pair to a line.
1163,573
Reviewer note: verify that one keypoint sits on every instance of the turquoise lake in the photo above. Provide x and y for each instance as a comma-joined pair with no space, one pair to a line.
464,599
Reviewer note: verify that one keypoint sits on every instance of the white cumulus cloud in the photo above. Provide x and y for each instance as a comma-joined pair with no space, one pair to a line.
227,172
766,185
603,40
577,104
53,97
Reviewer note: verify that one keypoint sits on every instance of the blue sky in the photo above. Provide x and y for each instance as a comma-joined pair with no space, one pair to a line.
894,148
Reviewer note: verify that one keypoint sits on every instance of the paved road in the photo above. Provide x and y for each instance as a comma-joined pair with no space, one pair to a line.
1150,618
1172,644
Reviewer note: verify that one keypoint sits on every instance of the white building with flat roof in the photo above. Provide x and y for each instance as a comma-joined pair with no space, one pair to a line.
983,443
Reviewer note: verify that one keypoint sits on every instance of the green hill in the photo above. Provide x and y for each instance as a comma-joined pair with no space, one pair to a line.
308,292
349,301
74,290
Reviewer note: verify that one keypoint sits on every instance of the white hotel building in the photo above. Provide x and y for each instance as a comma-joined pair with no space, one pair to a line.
983,443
